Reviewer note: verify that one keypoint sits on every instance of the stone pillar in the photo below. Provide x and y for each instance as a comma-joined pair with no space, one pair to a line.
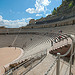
58,64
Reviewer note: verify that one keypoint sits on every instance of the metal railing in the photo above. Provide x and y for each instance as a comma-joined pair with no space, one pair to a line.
34,60
57,60
44,53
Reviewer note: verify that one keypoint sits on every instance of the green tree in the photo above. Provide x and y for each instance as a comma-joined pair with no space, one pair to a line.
70,4
54,12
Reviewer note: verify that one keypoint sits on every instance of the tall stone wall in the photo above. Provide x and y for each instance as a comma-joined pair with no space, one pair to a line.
70,21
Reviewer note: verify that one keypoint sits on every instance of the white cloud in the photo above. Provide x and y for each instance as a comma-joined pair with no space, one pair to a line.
39,6
38,14
47,14
30,10
1,18
12,23
28,18
46,2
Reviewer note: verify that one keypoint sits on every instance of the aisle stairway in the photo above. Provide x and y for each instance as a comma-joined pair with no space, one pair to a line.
73,68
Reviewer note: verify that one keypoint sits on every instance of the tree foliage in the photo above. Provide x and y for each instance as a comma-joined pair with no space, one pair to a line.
70,4
54,12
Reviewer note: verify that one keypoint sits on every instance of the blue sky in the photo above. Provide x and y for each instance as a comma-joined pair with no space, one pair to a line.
17,13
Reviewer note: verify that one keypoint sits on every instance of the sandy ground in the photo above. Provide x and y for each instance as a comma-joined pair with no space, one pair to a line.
7,55
43,46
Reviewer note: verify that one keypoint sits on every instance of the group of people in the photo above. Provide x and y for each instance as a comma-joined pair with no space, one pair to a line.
56,40
60,31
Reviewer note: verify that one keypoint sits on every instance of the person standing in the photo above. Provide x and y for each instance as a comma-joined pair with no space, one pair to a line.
51,43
